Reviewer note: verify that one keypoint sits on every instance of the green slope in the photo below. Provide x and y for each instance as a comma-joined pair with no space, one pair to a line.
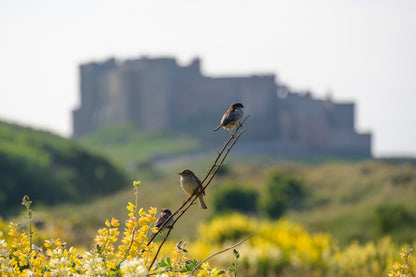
50,169
350,199
361,200
137,150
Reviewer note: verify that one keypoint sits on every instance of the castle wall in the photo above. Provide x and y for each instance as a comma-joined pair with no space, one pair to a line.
158,93
85,117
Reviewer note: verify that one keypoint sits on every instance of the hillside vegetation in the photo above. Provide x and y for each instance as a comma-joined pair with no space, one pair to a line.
135,148
308,218
361,201
50,169
354,200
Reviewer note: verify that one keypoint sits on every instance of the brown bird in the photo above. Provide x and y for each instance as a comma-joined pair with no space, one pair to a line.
192,185
164,215
232,117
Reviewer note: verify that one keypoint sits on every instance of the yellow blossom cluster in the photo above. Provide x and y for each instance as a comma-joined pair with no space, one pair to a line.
277,247
113,254
403,268
285,246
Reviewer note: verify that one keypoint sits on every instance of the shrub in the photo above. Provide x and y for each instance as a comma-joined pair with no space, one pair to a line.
232,196
51,169
281,192
114,253
392,216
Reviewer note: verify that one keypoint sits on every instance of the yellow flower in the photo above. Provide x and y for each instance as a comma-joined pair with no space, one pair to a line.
396,266
130,207
137,184
142,212
153,210
114,222
143,221
47,243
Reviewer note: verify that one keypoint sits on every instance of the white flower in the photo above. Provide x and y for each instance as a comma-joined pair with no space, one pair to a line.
133,268
3,243
93,266
60,266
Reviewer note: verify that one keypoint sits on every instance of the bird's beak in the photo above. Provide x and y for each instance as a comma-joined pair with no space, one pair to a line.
179,173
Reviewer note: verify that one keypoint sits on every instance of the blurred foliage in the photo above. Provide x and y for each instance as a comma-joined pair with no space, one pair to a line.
340,198
137,149
51,169
393,216
278,248
285,248
131,253
232,196
281,192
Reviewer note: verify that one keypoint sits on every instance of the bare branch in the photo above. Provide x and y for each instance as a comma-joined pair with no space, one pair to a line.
222,251
209,176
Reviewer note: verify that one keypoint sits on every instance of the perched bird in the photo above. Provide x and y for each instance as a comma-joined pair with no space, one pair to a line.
164,215
192,185
232,117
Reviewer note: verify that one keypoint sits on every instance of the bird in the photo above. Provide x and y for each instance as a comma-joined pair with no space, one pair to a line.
192,185
164,215
232,117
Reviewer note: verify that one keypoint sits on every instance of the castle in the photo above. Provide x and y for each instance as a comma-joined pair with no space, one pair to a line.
159,93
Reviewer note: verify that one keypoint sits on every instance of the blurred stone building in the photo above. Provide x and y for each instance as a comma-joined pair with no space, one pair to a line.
159,93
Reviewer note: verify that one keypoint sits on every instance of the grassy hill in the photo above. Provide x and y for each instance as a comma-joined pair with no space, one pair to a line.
50,169
137,150
352,200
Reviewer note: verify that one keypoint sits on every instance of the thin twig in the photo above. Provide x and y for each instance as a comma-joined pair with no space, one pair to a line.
225,146
213,169
222,251
233,137
223,159
129,247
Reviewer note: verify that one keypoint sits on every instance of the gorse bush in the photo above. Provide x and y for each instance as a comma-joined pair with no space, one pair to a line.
404,267
133,253
285,248
277,248
114,254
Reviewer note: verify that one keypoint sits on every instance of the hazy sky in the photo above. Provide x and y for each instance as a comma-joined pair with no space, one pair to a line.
356,50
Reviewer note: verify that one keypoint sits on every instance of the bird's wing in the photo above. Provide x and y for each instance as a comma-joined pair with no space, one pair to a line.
226,119
161,219
199,183
223,119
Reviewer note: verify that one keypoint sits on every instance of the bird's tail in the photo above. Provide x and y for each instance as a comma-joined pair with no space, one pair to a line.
219,126
201,202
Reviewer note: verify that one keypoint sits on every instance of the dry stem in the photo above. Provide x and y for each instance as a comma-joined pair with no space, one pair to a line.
212,171
219,252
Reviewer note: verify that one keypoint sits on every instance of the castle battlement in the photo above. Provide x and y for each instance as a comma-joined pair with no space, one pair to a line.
159,93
